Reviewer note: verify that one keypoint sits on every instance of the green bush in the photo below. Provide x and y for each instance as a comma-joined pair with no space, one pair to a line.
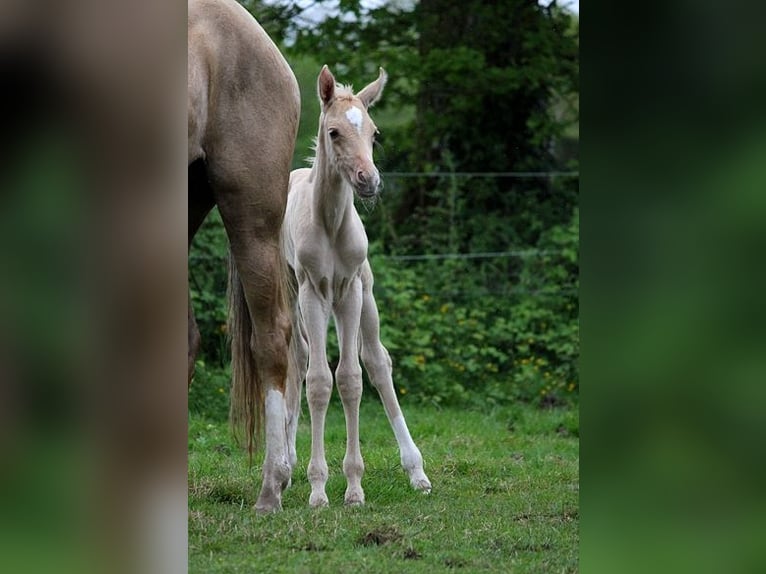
207,288
459,331
478,345
209,392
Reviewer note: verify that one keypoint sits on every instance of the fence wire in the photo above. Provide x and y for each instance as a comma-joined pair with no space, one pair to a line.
206,258
486,174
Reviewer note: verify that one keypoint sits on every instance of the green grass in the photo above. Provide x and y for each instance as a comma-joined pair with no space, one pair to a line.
505,498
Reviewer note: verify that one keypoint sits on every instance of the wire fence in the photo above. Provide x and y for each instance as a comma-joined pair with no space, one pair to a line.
503,286
521,253
481,174
506,290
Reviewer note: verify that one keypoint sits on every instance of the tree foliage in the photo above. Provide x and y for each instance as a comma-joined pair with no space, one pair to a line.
474,87
484,80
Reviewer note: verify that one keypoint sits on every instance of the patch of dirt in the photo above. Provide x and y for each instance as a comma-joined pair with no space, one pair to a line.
570,515
380,536
454,563
412,554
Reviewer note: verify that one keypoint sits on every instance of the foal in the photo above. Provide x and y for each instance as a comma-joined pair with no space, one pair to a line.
326,246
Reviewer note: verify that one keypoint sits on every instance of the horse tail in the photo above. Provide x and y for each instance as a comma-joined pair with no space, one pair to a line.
246,411
247,393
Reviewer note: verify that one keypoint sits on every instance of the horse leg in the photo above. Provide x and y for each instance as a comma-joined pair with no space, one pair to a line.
194,341
377,362
348,377
253,229
200,203
296,374
316,313
258,265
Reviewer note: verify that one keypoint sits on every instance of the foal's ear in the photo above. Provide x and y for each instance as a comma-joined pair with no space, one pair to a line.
326,86
372,92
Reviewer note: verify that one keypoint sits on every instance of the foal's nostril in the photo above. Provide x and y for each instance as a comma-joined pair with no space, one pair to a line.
360,177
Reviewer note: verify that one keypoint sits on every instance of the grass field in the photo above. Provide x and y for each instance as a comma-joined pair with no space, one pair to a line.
505,498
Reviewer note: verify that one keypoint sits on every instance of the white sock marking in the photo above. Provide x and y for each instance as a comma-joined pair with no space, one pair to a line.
276,418
410,454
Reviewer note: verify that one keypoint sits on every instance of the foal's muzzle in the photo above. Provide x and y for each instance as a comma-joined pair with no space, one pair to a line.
367,184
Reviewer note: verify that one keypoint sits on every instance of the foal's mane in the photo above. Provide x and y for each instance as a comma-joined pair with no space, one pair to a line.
344,92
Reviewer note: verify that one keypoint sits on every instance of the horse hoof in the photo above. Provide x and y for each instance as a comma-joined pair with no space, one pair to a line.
354,499
318,501
264,508
422,484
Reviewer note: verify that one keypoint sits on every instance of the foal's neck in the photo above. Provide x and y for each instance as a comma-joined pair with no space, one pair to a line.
333,196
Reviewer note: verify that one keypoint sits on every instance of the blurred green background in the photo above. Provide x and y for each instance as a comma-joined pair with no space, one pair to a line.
475,241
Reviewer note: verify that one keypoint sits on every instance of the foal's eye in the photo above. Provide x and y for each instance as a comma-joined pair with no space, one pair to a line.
376,137
333,133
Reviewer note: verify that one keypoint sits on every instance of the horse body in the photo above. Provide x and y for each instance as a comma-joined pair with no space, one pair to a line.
326,246
243,113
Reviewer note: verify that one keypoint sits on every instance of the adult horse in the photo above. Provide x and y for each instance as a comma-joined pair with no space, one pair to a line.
244,108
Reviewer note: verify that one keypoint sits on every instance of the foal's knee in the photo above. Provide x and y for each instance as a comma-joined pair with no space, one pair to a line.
378,364
319,386
349,381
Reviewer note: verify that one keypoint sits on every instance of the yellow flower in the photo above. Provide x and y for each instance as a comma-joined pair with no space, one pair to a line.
403,391
444,308
420,359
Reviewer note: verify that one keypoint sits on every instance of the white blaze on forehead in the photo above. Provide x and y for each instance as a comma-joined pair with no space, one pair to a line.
354,116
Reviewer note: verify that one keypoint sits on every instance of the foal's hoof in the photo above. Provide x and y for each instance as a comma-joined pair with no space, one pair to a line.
269,500
422,484
354,498
264,508
318,500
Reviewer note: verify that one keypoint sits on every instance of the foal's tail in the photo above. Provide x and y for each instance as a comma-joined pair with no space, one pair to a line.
247,388
246,409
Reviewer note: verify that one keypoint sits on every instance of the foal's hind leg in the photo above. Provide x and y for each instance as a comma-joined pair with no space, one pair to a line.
378,364
296,374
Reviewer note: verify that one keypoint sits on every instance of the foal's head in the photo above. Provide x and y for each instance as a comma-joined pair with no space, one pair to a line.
348,133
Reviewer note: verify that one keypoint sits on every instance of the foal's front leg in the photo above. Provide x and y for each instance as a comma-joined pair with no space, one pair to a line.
348,377
315,311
